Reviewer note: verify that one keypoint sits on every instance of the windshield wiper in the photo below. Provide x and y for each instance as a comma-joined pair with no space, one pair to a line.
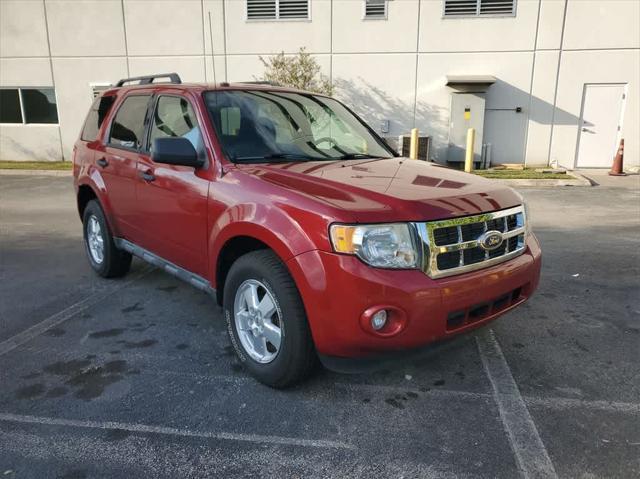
272,157
357,156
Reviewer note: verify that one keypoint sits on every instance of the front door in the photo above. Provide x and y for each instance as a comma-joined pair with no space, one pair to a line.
172,199
600,125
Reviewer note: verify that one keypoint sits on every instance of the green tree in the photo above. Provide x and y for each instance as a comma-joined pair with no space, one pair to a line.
300,71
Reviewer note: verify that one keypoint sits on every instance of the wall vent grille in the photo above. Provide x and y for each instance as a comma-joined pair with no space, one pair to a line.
375,9
277,9
474,8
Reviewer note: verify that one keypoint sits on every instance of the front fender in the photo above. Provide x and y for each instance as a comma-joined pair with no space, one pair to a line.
272,226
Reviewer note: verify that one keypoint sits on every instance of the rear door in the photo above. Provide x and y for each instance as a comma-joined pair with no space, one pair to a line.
118,160
172,199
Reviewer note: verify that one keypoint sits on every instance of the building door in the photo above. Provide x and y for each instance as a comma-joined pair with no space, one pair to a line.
467,111
600,125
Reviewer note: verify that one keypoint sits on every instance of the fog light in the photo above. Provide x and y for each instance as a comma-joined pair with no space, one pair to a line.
379,320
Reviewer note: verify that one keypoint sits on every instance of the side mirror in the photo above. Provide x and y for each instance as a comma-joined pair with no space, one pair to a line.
175,151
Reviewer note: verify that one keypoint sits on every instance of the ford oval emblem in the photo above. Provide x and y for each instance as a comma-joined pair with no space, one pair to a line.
490,240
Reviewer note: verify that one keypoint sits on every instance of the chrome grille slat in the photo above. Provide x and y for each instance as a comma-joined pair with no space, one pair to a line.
437,248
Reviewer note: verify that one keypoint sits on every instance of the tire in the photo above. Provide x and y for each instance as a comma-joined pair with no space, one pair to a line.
112,262
295,357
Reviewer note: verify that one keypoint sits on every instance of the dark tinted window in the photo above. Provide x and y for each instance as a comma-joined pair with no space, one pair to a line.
10,106
127,129
96,117
175,117
39,105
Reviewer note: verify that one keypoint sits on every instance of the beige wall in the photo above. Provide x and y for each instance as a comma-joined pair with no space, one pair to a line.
385,69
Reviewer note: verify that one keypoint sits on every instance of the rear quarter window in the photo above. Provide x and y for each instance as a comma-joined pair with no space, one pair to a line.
98,112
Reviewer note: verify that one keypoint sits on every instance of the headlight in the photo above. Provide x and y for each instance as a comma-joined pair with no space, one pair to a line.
382,246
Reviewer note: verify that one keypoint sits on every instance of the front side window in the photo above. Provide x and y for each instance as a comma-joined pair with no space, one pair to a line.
174,117
277,9
28,105
479,8
127,129
259,126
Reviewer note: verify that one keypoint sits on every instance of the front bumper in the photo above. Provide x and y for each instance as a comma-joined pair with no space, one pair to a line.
337,289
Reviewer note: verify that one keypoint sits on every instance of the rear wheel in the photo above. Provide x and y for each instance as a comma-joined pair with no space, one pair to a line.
105,259
266,320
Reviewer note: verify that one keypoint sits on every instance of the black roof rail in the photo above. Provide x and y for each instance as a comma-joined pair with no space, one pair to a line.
260,82
147,79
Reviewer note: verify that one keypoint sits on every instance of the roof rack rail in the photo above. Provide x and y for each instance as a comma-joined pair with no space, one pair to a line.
147,79
261,82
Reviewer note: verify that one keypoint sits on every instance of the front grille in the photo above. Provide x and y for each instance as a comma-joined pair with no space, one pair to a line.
460,245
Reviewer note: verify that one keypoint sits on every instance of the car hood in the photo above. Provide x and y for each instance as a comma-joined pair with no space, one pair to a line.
394,189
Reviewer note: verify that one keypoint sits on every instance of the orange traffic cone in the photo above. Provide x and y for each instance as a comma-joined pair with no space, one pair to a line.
616,168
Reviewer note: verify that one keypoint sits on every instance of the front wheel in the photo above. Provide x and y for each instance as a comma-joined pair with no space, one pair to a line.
266,320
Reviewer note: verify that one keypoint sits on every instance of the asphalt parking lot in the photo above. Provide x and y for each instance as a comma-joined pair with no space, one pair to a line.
136,377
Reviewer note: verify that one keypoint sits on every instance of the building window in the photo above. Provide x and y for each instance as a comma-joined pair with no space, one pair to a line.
479,8
277,9
28,105
375,9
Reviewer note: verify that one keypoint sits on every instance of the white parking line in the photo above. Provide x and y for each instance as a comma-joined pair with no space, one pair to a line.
570,403
67,313
531,455
172,431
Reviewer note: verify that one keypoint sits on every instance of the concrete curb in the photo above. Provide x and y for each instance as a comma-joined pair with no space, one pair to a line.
576,180
35,172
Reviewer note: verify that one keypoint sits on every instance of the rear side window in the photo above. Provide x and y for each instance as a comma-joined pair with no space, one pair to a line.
96,117
127,129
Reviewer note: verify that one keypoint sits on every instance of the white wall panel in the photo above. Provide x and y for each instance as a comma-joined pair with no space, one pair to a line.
190,69
168,27
352,33
85,27
602,24
30,143
22,29
25,72
378,87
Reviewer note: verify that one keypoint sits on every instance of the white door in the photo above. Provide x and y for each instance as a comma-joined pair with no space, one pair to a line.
600,124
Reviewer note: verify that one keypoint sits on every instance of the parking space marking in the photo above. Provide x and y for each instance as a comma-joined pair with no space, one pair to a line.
532,457
172,431
570,403
67,313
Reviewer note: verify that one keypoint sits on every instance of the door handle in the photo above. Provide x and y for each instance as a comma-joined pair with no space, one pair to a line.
103,162
147,176
587,130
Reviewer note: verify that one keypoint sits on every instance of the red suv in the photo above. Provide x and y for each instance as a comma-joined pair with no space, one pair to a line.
316,239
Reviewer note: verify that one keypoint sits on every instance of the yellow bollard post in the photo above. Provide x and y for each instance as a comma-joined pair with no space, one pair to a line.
413,145
468,158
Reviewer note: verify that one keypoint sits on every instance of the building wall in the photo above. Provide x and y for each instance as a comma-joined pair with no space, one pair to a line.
393,69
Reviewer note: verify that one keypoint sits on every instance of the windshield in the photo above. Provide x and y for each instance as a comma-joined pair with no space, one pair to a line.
269,126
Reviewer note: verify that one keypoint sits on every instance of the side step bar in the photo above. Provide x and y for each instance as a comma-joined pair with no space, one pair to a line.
181,273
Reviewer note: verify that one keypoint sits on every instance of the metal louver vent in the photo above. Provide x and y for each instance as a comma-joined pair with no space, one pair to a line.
474,8
375,9
496,7
294,9
277,9
261,9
